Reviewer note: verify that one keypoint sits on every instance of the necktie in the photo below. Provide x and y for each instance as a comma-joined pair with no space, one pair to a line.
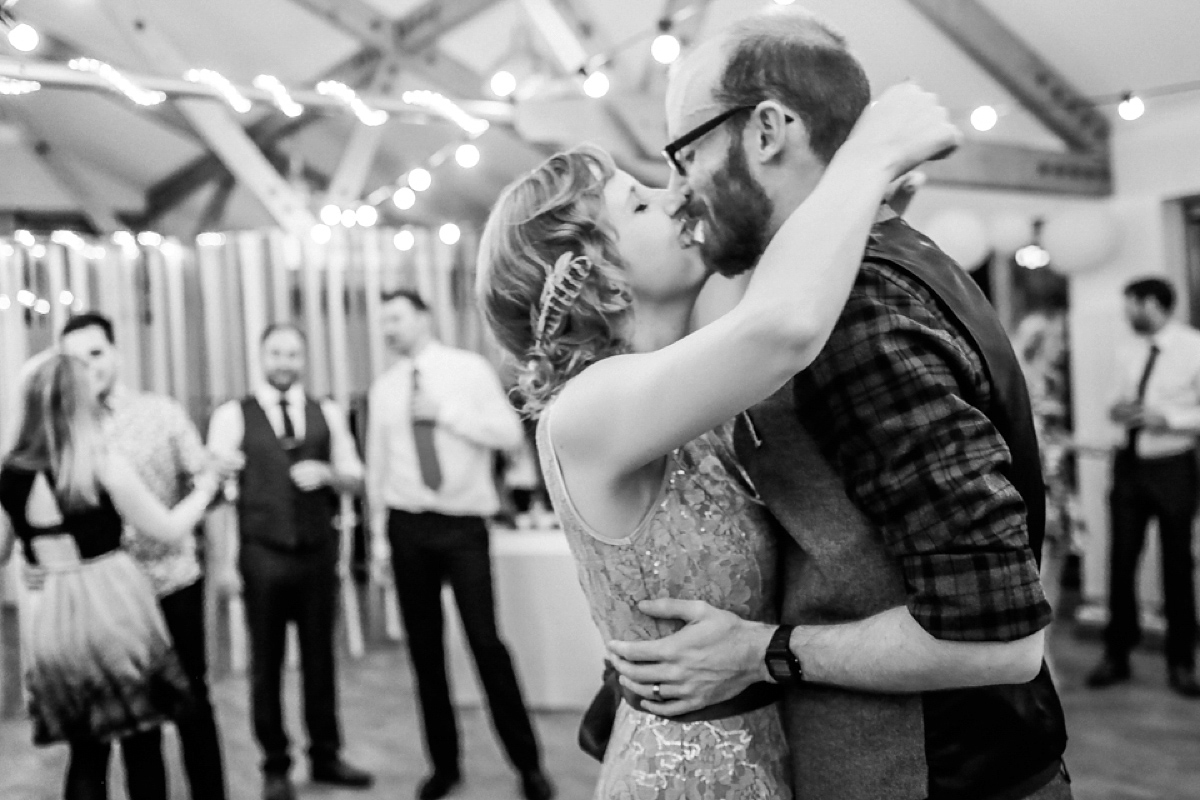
1131,435
427,457
289,430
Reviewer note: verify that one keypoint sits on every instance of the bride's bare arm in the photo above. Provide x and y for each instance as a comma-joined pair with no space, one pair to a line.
625,412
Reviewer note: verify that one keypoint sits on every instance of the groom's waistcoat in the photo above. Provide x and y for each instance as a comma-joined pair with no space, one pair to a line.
989,743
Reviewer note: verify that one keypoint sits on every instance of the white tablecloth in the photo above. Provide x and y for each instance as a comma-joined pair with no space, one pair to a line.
543,617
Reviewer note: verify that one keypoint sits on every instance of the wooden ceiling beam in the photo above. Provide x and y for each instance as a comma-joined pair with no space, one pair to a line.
1035,84
216,125
1002,167
411,39
350,177
65,169
412,33
267,133
558,34
214,209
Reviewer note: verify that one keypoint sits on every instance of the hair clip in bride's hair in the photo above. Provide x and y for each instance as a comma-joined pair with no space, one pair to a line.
563,284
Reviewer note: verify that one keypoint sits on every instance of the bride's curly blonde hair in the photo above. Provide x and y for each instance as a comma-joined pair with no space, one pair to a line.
553,222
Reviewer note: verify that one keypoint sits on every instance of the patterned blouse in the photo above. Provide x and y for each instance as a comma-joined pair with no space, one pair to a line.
156,434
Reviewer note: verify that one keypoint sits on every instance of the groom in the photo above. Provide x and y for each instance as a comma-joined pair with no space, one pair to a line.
902,463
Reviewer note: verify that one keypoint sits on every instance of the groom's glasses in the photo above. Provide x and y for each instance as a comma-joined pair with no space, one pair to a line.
672,150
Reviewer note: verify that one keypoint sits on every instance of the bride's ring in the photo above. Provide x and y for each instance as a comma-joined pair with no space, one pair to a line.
658,698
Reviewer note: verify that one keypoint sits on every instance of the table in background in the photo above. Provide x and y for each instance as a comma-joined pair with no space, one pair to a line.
544,619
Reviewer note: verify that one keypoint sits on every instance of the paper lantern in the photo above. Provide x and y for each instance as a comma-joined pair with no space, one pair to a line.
1010,231
1081,239
962,235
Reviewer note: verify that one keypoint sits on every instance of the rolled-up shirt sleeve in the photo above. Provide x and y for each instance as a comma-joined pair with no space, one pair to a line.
896,401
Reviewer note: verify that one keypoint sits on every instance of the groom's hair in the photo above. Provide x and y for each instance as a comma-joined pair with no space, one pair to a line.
795,58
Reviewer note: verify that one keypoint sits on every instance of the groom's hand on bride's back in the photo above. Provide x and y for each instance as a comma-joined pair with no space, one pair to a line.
714,657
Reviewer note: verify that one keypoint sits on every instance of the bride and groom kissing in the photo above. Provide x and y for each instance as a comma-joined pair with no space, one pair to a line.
808,529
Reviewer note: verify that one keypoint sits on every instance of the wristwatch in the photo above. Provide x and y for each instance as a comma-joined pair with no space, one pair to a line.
781,662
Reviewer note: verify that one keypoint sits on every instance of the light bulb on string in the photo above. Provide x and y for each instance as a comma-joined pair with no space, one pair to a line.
449,233
665,48
149,239
1131,107
24,237
38,251
445,107
503,83
366,115
404,240
24,38
366,215
143,97
1032,256
331,214
984,118
349,218
467,155
42,306
404,198
210,239
272,86
321,234
69,239
596,85
420,179
66,297
26,298
6,249
14,87
232,95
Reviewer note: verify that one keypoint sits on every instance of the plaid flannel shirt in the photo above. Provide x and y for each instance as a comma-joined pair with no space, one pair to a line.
895,401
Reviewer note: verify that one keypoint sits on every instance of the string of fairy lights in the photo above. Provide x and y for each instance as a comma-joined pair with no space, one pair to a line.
404,193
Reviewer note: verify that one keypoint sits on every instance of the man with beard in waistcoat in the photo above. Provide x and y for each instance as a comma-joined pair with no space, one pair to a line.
902,464
299,454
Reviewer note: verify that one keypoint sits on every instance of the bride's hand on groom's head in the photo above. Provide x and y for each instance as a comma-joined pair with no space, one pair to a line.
901,192
714,657
905,127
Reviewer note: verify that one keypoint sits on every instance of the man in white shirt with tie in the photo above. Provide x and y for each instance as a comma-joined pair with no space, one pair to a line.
1154,477
435,420
298,454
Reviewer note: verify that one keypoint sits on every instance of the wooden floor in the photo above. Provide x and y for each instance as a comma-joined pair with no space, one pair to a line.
1128,743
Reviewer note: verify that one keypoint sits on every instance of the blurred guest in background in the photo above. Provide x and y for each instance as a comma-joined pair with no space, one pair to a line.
1042,346
1154,477
436,418
155,433
100,665
298,454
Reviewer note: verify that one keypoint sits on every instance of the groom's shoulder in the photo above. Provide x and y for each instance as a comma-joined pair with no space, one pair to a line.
892,316
884,291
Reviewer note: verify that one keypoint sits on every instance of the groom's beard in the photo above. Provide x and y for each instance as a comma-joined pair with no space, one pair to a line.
737,217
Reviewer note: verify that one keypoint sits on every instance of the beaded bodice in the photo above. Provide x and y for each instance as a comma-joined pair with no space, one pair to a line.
707,537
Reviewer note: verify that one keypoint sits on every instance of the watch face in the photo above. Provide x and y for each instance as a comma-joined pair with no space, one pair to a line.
779,668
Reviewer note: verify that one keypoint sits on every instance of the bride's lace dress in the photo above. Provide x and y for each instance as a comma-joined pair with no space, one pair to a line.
706,538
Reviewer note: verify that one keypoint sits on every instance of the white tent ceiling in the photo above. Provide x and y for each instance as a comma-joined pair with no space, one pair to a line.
1102,47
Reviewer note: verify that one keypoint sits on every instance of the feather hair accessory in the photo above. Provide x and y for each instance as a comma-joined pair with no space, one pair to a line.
563,284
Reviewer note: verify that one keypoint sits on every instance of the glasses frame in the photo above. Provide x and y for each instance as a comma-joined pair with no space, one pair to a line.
671,151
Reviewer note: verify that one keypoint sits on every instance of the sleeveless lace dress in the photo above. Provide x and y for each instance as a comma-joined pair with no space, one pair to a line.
706,538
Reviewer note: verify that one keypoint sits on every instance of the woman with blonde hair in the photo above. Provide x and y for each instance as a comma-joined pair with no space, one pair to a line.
99,663
585,277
